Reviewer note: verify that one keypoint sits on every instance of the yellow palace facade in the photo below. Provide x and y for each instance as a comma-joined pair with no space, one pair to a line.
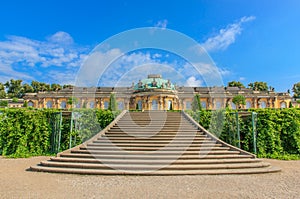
156,93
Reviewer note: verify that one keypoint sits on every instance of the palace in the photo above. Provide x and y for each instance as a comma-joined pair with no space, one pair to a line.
156,93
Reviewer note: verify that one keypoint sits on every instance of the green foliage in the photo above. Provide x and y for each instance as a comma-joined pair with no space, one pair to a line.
296,90
2,94
15,100
55,87
239,100
2,91
14,88
235,84
25,104
112,106
3,103
26,88
278,130
27,132
258,86
196,104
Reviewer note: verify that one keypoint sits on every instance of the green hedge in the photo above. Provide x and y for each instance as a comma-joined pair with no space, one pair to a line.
278,130
27,132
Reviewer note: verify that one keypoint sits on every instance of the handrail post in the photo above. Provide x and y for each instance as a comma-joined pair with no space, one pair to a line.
254,117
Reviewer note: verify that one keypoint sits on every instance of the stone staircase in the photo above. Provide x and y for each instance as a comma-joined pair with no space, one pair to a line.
154,143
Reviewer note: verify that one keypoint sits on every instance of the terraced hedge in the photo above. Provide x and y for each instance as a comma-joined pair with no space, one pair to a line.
278,130
27,132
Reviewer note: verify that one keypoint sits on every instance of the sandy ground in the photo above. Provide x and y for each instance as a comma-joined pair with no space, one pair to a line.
16,182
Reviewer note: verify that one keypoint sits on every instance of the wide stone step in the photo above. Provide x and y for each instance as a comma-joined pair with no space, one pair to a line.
154,156
155,161
156,152
136,167
156,172
167,148
143,137
175,141
169,130
146,135
153,144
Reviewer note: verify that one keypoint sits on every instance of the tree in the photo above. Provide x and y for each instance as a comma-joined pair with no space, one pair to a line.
40,86
44,87
235,84
196,104
258,86
55,87
296,90
3,103
2,91
239,100
14,88
112,102
68,86
36,86
26,88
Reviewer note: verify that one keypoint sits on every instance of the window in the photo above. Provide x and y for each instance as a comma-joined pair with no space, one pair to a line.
49,104
92,104
218,105
203,104
248,104
283,105
188,105
30,104
120,105
233,106
262,104
154,105
106,105
63,104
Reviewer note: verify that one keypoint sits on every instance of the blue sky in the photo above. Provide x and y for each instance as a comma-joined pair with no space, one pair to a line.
247,40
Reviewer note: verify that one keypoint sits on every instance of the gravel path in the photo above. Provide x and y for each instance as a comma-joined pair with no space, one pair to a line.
16,182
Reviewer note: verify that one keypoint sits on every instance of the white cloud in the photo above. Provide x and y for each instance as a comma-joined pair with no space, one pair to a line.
193,82
19,53
162,24
242,79
226,36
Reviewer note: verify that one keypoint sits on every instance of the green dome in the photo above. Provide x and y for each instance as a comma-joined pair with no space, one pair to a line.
154,82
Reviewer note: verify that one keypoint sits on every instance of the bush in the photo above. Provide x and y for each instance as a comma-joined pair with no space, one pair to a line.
28,132
278,130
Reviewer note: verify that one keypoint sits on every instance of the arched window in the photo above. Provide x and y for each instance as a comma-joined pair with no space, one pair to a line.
262,104
30,104
92,104
203,104
283,105
63,104
218,105
188,105
120,105
106,105
248,104
233,106
154,105
49,104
